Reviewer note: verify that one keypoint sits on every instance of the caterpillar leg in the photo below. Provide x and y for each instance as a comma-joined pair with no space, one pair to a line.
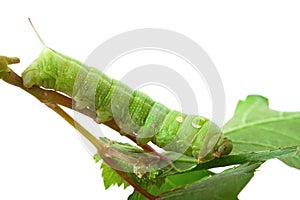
103,116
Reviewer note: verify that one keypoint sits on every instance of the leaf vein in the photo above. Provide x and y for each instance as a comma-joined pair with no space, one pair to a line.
253,124
256,144
279,133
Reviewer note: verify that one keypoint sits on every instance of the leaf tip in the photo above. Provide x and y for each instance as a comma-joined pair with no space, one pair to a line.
256,98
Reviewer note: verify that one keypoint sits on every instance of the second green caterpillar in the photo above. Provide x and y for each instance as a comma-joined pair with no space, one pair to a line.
133,111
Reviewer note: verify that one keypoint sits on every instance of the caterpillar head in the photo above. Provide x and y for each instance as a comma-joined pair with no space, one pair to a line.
210,143
223,148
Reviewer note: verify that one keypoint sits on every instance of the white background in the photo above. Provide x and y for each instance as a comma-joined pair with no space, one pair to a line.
255,46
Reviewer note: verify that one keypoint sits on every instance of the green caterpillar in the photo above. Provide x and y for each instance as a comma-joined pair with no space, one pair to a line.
133,111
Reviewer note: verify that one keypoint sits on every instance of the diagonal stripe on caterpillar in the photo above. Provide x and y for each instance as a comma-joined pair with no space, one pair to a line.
132,110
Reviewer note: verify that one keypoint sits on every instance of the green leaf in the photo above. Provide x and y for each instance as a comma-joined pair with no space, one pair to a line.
200,172
130,159
120,145
224,186
110,177
256,127
97,158
251,157
171,182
